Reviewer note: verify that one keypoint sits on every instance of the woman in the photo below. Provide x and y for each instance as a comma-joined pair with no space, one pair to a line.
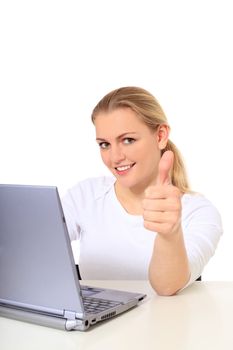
142,222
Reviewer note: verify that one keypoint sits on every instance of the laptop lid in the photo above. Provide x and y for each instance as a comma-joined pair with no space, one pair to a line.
36,272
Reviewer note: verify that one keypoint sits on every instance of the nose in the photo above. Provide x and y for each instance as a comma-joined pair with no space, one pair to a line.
117,154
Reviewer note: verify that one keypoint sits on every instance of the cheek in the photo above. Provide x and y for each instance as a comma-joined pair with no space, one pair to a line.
105,158
147,151
149,155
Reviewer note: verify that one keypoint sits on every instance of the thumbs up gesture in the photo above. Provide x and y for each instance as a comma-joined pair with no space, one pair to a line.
162,202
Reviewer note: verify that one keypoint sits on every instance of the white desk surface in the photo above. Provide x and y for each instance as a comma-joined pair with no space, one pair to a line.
200,317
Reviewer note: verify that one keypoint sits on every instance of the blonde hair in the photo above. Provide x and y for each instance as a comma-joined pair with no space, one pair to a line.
145,105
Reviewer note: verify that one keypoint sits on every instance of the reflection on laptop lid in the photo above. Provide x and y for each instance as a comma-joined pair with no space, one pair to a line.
38,275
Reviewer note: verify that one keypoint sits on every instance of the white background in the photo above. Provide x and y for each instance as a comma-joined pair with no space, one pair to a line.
58,58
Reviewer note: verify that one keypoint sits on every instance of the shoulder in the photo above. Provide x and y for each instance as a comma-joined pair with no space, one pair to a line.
197,206
95,187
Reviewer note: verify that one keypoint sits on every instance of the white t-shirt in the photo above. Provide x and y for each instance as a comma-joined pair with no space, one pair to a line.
115,244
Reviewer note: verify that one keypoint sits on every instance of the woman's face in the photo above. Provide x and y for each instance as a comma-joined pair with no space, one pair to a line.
129,148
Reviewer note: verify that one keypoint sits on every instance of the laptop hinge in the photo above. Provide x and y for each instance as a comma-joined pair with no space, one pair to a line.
70,315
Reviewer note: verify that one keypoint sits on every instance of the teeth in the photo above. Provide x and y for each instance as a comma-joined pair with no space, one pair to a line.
122,168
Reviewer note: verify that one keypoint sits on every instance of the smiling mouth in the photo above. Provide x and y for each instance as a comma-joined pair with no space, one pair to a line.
124,167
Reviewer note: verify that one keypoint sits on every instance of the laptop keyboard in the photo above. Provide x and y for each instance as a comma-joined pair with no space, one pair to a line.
94,305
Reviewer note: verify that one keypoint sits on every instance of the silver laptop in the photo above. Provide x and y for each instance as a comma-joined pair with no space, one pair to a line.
38,277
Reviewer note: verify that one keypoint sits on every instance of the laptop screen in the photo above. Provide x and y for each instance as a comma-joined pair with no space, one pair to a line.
37,268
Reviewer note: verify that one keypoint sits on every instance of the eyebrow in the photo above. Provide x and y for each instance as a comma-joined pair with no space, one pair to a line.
118,137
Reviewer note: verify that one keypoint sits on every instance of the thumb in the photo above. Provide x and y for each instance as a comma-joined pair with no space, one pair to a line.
165,166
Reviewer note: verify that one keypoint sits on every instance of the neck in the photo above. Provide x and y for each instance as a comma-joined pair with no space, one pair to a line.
130,198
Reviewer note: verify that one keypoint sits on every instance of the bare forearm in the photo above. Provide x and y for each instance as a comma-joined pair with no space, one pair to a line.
169,267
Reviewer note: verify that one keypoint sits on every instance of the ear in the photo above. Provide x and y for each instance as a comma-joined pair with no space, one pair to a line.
163,132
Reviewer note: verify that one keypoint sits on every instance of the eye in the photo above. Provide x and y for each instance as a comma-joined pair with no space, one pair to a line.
104,145
128,140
